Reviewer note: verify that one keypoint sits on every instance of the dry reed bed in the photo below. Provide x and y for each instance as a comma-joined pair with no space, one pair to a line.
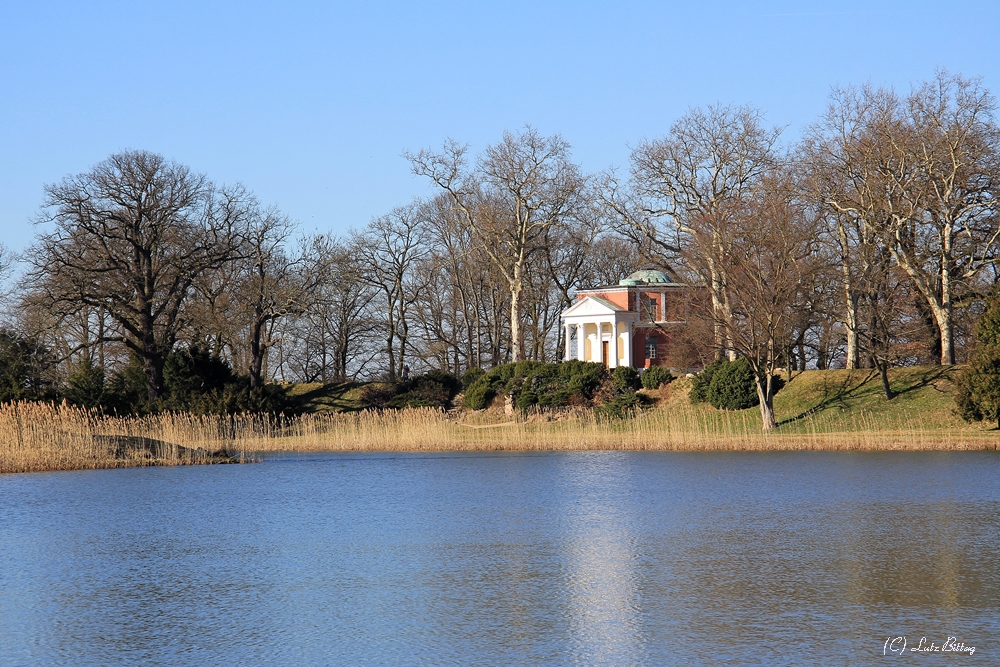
36,437
41,436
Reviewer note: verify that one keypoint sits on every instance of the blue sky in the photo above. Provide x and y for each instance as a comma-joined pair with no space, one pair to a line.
311,104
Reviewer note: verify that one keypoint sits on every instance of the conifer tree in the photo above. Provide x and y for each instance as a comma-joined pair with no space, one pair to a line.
978,394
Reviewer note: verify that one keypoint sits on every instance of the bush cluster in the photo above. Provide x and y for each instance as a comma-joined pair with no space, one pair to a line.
531,383
194,381
621,405
729,385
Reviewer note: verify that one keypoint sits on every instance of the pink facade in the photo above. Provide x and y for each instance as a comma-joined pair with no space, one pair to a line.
634,323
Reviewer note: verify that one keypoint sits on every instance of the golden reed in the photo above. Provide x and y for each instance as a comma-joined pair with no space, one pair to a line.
37,437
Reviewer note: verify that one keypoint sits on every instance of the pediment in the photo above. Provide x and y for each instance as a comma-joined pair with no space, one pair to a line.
592,306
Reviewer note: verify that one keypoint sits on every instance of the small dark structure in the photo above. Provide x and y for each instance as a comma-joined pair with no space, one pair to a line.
135,447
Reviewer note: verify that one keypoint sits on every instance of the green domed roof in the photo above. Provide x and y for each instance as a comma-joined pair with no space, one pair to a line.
646,277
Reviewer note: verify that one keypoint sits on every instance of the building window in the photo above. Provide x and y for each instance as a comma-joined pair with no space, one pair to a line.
648,308
651,347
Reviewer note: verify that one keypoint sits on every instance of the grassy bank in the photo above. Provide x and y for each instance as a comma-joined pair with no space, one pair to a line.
816,410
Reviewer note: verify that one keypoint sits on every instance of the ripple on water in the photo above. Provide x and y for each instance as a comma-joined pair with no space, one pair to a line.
597,558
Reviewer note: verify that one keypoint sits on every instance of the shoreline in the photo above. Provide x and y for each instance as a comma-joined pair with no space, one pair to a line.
45,437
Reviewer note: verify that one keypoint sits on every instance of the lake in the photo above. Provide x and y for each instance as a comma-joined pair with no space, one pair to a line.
569,558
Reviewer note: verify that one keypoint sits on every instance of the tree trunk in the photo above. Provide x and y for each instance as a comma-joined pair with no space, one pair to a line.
883,371
152,360
942,315
766,404
851,324
718,329
256,355
515,318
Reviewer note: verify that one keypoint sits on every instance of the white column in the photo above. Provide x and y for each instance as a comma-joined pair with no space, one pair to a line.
613,346
663,306
566,356
579,342
596,355
628,344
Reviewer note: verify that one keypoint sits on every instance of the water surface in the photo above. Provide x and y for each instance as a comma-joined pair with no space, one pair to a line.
575,558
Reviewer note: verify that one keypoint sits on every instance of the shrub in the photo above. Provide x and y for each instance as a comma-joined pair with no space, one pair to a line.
27,368
376,395
733,386
656,376
479,395
434,389
86,385
203,383
584,377
471,376
621,406
625,378
701,381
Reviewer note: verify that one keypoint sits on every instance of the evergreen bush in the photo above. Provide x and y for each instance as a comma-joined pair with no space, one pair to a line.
86,385
621,406
531,383
125,393
701,381
471,376
27,369
434,389
733,386
625,378
656,376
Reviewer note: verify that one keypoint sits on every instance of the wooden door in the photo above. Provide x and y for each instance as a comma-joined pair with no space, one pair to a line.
604,353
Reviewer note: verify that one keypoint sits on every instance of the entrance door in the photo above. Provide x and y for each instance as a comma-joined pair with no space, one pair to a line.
604,353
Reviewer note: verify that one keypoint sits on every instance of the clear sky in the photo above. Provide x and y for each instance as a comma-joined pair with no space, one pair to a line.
311,104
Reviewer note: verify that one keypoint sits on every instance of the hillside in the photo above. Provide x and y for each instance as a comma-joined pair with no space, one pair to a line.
317,398
842,400
824,401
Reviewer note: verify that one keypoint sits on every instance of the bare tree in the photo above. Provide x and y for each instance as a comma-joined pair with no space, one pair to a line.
946,227
335,339
389,249
919,176
772,245
687,186
520,187
271,284
846,161
131,236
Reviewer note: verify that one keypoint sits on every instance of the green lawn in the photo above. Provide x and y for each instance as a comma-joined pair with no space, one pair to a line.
316,397
841,400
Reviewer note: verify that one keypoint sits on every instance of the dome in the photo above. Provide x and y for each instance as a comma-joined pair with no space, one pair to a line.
646,277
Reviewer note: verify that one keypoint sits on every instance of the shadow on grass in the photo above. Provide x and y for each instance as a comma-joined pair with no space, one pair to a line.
834,394
838,394
929,377
328,397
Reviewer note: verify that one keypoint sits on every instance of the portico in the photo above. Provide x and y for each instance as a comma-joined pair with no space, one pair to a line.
602,330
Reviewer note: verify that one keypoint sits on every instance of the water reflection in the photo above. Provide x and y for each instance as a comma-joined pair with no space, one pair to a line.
597,558
603,599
